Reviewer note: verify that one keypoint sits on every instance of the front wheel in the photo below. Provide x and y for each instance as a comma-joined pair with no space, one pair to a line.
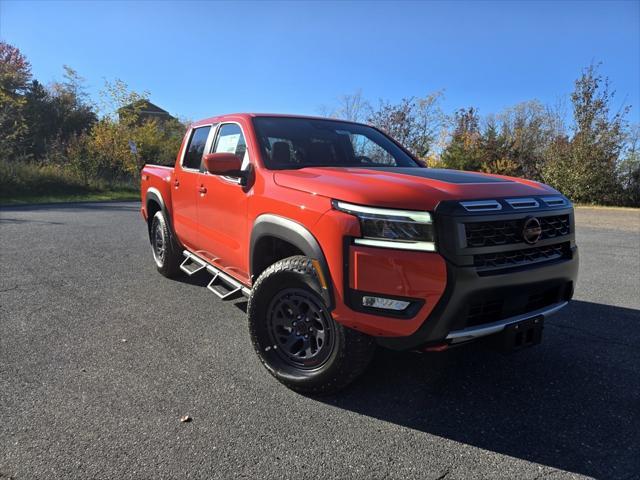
295,336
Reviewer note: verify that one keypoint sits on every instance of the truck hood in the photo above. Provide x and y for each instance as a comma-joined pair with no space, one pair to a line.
409,188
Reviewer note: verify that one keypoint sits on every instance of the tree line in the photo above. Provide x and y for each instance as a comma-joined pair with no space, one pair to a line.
592,158
58,128
591,154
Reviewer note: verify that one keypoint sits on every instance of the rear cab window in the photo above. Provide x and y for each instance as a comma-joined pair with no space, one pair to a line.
195,149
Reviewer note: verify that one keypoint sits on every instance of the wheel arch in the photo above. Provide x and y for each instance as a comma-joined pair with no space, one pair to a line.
269,226
154,202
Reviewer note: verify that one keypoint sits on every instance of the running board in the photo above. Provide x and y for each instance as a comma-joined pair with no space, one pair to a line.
222,285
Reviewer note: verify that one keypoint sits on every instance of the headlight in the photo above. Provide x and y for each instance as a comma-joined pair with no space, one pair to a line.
390,228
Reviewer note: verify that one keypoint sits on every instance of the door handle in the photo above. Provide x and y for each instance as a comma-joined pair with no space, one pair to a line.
176,183
202,189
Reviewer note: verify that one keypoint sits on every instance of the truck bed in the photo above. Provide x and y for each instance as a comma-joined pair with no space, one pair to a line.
156,178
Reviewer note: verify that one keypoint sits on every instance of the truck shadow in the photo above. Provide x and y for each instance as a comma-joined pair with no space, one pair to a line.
571,403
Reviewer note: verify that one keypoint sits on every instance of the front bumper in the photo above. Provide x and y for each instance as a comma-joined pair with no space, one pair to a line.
458,290
506,298
473,333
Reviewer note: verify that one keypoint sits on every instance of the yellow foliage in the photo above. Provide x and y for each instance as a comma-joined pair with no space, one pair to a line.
501,166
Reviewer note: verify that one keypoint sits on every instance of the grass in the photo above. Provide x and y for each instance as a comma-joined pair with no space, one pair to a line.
27,183
99,196
605,207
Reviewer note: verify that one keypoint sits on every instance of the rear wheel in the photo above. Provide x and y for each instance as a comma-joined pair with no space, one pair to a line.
165,252
295,336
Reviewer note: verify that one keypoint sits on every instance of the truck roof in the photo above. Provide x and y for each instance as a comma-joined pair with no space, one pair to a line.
246,116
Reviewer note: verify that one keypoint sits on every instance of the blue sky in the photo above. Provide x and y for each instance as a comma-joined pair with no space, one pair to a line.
206,58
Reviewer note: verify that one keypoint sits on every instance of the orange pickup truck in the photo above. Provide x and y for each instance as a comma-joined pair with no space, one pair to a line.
342,240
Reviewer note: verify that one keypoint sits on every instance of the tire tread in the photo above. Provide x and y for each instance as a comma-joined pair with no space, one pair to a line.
171,267
352,360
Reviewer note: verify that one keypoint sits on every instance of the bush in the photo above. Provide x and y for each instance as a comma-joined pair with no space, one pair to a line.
21,178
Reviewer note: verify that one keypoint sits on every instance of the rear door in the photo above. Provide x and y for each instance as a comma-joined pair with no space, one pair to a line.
185,187
222,208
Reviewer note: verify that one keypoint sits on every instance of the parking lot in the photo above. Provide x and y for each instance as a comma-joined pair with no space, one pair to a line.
100,356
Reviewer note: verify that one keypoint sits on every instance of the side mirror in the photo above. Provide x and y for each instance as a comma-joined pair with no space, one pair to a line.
221,163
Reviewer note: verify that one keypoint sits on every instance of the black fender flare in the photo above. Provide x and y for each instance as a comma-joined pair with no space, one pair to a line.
269,225
155,195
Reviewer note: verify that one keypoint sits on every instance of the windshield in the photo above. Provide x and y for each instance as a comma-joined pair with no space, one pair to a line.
289,143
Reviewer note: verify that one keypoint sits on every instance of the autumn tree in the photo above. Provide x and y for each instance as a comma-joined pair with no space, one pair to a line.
15,74
528,129
156,141
414,122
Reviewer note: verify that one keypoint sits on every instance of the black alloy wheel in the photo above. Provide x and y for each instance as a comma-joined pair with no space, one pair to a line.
300,328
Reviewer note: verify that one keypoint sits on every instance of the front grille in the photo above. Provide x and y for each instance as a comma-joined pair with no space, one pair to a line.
486,310
509,232
517,258
553,227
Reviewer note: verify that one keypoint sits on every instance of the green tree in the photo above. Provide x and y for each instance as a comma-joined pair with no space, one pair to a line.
15,74
41,116
75,114
588,172
56,114
494,151
464,150
629,169
83,161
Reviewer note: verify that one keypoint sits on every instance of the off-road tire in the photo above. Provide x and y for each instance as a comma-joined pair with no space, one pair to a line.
167,262
348,352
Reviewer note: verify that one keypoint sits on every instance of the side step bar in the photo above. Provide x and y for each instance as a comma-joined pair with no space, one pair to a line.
222,285
191,264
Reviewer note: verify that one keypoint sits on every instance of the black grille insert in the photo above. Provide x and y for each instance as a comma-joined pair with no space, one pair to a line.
517,258
486,310
508,232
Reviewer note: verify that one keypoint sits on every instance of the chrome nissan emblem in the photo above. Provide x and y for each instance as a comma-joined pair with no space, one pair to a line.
531,230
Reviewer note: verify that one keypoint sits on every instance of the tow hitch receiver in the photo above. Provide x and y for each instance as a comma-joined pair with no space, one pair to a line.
522,334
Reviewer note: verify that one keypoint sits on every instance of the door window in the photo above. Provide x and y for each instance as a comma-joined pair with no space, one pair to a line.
231,140
195,149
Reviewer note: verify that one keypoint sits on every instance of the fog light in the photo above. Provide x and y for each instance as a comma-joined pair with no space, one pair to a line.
385,303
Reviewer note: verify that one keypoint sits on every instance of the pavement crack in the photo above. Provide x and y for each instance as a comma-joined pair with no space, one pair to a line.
443,475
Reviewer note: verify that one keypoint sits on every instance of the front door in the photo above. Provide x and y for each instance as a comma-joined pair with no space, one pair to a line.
184,188
222,208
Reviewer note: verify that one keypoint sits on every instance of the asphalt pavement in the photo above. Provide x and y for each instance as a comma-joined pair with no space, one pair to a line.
100,356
